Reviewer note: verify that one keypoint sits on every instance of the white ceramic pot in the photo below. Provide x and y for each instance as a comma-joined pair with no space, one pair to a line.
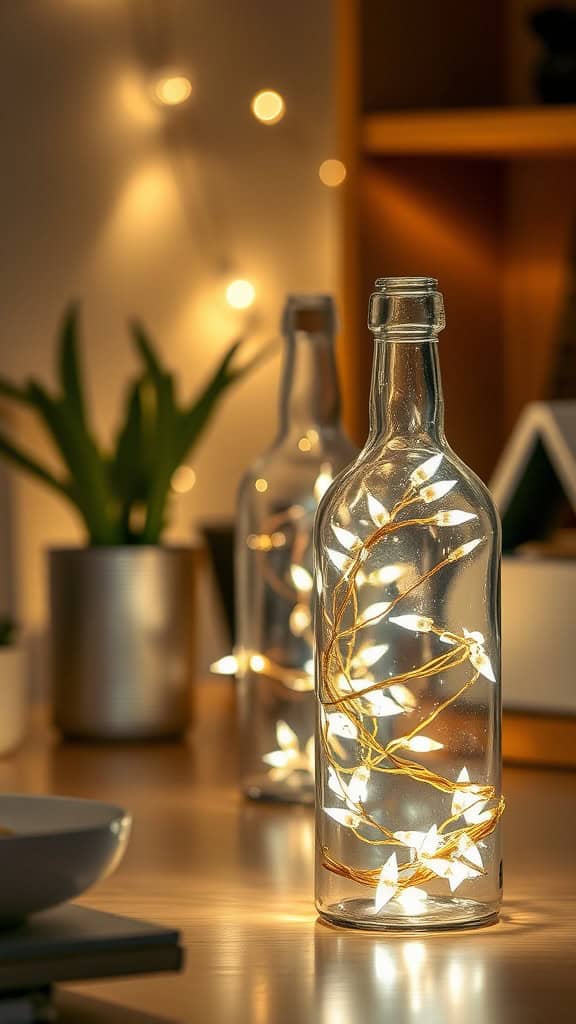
13,699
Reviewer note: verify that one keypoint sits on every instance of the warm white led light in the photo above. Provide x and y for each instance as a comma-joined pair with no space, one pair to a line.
373,613
301,578
339,559
402,695
259,542
358,787
412,900
183,479
453,517
481,662
340,725
421,744
346,818
268,106
387,883
347,539
323,480
425,470
332,173
240,294
286,736
422,844
386,574
434,491
417,623
464,549
369,655
468,803
172,90
300,619
379,514
226,666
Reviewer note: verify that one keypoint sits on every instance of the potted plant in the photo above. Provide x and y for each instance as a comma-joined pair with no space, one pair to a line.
121,613
13,702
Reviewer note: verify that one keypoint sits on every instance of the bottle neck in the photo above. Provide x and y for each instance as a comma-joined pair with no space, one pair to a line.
309,394
406,398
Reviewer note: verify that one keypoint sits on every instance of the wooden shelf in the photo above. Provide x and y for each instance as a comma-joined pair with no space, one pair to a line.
508,132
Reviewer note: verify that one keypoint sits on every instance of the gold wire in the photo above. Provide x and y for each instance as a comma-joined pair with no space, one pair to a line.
373,753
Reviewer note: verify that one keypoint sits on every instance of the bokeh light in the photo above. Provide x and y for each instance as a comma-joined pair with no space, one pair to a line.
240,294
183,479
332,173
268,106
171,90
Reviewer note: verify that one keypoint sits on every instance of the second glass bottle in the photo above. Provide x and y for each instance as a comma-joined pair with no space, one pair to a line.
277,503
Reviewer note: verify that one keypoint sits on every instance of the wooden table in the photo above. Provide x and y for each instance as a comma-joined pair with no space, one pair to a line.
236,878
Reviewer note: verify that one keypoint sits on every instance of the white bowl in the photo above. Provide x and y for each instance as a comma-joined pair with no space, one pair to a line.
60,847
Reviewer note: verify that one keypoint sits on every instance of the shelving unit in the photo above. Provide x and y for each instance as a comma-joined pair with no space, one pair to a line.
512,134
454,172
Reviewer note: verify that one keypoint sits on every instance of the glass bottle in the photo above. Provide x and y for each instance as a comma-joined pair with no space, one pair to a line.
407,627
277,503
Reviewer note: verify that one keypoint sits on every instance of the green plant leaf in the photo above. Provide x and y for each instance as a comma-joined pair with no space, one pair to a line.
69,363
131,467
165,439
8,630
10,390
195,419
21,459
87,468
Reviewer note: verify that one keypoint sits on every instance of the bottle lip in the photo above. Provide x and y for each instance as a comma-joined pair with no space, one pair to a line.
406,309
311,312
406,285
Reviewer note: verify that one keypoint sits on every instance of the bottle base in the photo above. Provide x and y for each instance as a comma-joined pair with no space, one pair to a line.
262,788
441,912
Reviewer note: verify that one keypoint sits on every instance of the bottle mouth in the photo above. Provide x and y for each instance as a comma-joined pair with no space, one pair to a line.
406,285
406,309
312,313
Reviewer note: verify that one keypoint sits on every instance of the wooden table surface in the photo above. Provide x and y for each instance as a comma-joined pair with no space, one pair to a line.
236,878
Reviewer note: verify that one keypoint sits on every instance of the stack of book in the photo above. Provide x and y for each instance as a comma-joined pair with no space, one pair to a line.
73,943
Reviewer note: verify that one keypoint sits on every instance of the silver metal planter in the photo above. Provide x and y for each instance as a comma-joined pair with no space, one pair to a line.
122,641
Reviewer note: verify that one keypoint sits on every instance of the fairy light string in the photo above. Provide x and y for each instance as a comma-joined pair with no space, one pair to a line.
353,700
290,530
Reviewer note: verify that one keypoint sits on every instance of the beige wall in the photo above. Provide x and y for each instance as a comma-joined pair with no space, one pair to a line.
140,210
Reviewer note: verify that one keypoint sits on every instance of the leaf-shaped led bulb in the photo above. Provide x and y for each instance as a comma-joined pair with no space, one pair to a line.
379,514
347,539
287,738
226,666
300,619
425,470
339,559
464,549
453,517
343,817
422,744
387,883
358,787
369,655
301,578
373,613
416,623
434,491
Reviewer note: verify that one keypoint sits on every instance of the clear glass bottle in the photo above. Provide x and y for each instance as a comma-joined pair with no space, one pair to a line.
407,549
276,507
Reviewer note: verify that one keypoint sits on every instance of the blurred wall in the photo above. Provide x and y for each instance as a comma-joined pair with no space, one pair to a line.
140,210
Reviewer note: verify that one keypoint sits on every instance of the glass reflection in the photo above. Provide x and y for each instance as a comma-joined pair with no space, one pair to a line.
363,978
